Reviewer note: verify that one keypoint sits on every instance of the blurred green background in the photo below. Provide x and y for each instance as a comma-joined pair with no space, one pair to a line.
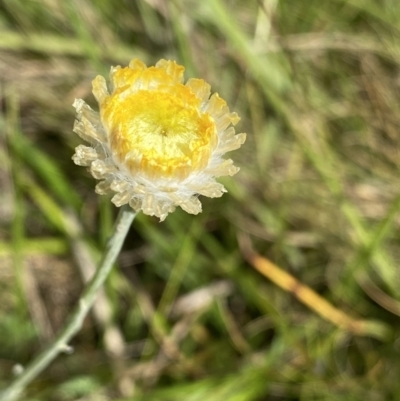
184,316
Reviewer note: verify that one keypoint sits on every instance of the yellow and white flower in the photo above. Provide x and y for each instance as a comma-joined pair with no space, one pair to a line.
156,143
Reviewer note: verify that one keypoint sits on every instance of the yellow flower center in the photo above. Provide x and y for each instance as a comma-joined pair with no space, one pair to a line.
159,132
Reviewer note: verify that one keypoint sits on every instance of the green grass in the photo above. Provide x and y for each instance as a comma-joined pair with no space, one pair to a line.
316,84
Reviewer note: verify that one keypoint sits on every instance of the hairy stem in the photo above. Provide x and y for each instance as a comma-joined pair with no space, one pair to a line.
74,324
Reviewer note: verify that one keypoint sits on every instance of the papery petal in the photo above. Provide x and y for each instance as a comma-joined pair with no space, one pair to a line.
121,198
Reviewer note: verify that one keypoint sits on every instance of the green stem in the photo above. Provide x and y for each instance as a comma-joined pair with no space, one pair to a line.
113,247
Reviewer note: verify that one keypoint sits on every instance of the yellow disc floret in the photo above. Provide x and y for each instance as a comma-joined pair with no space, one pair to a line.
160,132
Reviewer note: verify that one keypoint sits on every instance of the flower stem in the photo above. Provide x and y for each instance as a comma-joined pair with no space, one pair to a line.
113,247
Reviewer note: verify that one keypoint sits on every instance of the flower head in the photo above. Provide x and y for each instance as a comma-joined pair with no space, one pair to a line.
156,143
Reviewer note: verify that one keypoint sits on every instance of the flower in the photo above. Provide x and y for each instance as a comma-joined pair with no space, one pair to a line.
156,143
